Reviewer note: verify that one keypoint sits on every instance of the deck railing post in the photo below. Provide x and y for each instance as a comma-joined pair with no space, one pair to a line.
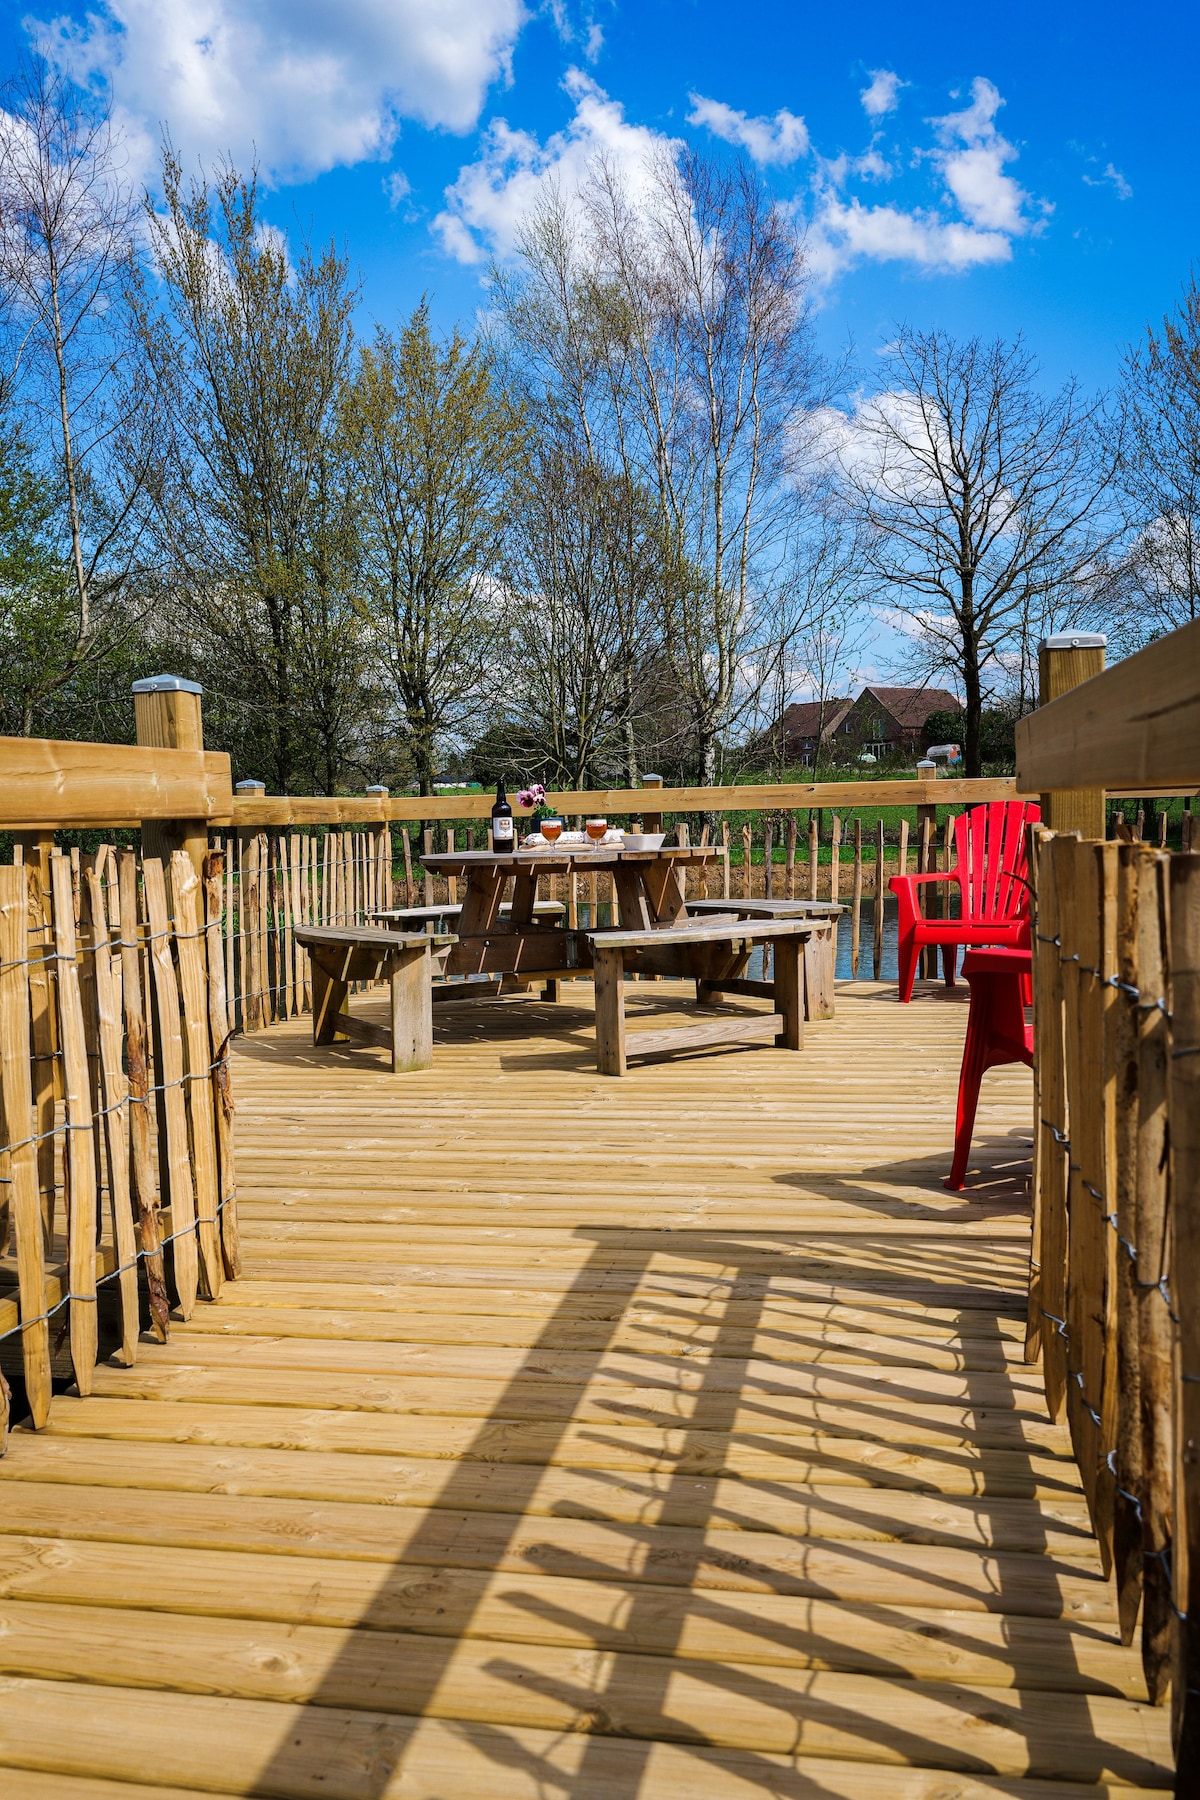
167,716
1063,662
652,821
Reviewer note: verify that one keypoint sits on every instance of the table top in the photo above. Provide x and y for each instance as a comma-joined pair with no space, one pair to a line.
456,862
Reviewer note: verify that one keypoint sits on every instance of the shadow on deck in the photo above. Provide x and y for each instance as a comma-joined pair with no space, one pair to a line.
584,1438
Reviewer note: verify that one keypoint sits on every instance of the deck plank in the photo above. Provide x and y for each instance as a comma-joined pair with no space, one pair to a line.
644,1438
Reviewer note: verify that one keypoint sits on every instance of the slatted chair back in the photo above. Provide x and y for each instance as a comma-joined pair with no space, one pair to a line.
989,844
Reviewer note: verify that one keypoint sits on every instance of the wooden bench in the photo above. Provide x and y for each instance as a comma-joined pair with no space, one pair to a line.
341,954
820,950
702,951
492,987
429,915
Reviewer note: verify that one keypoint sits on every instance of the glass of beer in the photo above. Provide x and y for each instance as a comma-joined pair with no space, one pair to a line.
596,829
550,829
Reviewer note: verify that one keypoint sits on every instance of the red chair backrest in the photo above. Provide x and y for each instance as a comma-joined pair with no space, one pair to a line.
989,844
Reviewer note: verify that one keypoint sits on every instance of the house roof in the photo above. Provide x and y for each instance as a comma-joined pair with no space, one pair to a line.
912,706
805,718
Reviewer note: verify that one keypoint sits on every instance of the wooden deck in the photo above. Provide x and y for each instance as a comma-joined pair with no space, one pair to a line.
572,1438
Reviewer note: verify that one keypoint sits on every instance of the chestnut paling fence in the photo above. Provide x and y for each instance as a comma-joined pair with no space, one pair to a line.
122,980
1115,1272
1114,1300
116,1149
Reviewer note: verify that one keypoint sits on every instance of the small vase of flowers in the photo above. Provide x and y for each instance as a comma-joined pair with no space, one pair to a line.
533,798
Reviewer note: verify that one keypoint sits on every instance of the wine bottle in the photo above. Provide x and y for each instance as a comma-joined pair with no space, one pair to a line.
503,839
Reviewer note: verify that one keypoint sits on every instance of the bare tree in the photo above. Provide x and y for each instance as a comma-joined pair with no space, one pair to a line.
1160,470
823,623
66,233
586,559
980,497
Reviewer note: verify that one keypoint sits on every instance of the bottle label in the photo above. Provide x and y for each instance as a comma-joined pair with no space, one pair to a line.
502,828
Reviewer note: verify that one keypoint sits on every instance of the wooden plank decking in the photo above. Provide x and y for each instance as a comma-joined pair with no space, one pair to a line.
582,1438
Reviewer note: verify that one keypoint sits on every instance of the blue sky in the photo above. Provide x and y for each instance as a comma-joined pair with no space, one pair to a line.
1030,169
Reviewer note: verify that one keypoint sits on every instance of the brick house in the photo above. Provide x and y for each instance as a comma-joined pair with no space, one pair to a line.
804,725
890,721
885,721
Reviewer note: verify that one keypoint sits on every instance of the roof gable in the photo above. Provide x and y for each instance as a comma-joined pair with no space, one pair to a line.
910,707
805,718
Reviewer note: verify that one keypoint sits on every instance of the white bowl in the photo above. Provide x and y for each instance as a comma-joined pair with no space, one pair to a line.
644,840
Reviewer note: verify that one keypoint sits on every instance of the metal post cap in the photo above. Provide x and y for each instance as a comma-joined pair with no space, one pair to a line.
250,787
166,684
1076,640
378,790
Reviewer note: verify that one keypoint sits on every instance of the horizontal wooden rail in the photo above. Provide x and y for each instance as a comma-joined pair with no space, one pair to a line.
47,784
1137,726
260,810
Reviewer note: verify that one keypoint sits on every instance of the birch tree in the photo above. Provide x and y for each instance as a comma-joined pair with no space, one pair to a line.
668,316
74,376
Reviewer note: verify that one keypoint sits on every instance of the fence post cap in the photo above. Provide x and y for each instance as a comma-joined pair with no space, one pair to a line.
250,787
166,684
379,790
652,780
1076,640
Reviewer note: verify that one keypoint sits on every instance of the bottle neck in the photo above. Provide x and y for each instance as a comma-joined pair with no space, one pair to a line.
501,796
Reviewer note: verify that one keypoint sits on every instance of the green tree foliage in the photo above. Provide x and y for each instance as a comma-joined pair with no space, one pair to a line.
437,445
256,513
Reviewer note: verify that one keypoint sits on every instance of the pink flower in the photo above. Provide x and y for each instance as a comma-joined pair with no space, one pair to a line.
531,796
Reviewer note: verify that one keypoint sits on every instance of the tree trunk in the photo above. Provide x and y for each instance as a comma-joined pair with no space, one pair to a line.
973,693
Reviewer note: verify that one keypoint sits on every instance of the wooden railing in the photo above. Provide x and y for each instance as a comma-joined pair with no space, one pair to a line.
116,1146
1114,1306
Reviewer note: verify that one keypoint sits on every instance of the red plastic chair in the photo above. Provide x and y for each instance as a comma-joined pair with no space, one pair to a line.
989,849
996,1033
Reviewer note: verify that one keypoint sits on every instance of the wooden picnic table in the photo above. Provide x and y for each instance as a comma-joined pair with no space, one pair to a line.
517,942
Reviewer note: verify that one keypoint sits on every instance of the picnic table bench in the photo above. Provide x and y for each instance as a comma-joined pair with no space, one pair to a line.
820,949
341,954
705,950
477,987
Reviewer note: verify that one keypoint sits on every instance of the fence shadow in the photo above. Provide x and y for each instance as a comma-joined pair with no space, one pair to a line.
740,1376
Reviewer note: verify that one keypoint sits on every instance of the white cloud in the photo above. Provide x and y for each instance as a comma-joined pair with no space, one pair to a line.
981,210
972,164
873,167
486,204
847,232
881,96
303,87
781,139
1111,178
397,187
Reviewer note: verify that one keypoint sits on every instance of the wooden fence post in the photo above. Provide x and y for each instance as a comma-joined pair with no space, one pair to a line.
246,961
167,715
652,821
1184,1105
1063,662
877,917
